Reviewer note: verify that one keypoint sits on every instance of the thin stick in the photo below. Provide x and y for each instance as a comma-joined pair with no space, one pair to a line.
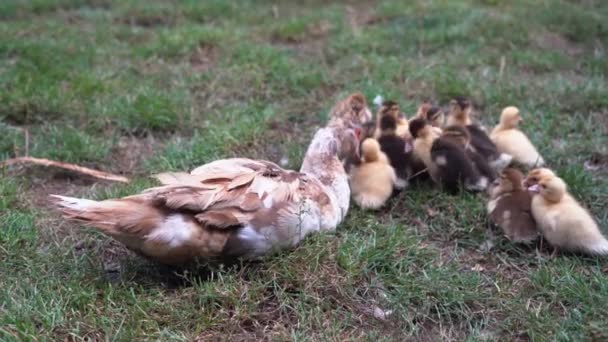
71,167
417,173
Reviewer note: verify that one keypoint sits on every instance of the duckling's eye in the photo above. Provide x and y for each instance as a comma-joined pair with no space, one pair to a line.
543,186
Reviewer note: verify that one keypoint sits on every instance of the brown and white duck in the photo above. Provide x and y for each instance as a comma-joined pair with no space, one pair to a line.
229,208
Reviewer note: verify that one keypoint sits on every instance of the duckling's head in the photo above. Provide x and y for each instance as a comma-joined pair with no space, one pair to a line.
510,117
370,150
389,108
536,175
388,124
510,180
419,128
457,134
435,116
423,109
552,188
460,106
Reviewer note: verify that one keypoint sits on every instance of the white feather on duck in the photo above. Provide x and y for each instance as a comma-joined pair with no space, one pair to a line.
228,208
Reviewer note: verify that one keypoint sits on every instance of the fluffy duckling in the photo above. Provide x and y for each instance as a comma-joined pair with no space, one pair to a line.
462,137
512,141
433,114
372,181
460,114
424,136
509,207
397,149
455,168
560,218
392,108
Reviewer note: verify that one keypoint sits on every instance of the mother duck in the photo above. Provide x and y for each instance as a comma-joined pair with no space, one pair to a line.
230,208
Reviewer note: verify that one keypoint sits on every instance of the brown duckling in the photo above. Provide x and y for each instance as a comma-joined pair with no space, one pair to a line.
509,207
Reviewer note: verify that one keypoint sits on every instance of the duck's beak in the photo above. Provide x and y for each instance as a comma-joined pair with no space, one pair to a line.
534,189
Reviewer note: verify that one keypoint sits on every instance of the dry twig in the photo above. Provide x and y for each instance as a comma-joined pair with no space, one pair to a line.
66,166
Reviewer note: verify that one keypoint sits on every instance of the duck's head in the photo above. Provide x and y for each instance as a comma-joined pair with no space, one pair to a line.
550,187
510,118
510,180
351,110
457,134
356,109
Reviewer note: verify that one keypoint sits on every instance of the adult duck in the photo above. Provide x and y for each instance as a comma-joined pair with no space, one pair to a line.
229,208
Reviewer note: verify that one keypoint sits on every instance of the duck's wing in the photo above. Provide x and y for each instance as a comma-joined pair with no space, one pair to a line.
230,192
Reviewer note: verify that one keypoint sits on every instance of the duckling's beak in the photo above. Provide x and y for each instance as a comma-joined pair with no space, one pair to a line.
534,188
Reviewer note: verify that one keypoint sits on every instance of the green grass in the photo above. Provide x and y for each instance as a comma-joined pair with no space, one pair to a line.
193,81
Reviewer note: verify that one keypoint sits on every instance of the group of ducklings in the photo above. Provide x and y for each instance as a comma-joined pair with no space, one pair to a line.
457,154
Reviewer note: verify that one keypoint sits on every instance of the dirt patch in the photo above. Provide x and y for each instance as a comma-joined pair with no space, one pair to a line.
204,57
557,42
130,154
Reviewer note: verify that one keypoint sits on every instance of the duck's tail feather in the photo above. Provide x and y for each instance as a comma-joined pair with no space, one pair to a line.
104,215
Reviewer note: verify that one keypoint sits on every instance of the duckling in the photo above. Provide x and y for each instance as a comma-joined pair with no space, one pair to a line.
509,207
392,108
372,181
455,168
433,114
397,149
510,140
462,137
460,114
560,218
424,136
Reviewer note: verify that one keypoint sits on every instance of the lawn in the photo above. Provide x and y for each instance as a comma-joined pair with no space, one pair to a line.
137,87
